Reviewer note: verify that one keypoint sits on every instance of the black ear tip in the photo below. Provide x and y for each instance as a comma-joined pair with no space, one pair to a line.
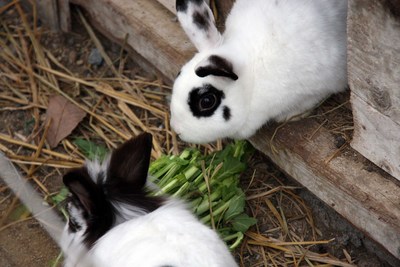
68,177
145,137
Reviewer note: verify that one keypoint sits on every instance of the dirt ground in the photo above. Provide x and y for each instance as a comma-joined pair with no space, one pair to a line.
23,242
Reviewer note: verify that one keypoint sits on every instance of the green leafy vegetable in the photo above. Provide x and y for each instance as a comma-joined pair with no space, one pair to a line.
91,150
211,185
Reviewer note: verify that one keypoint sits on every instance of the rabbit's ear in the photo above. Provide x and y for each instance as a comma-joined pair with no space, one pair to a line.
197,20
217,66
83,188
129,164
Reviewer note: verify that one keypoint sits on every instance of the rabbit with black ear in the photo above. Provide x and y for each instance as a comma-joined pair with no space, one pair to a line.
276,59
113,222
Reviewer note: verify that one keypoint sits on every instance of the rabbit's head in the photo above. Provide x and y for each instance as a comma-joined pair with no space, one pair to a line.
207,100
105,194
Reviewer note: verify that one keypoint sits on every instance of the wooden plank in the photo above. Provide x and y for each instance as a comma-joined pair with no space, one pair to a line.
153,32
374,79
48,13
374,54
168,4
376,136
64,14
368,200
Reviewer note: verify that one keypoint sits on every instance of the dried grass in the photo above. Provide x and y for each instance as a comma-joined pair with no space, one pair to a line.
118,108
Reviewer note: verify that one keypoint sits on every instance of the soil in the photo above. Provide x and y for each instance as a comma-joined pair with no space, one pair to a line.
25,243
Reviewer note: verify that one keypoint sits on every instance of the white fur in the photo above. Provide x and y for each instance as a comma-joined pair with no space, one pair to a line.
199,38
288,54
72,243
169,236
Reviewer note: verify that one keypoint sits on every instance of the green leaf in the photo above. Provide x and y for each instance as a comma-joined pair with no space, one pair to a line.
61,196
242,222
236,207
91,150
182,176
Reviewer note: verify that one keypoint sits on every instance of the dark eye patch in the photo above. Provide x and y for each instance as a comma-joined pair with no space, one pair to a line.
204,101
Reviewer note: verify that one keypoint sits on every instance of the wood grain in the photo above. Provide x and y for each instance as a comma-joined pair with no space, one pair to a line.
376,136
153,31
48,13
374,79
369,200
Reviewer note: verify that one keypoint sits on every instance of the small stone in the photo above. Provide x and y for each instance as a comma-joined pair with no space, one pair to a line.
79,62
95,57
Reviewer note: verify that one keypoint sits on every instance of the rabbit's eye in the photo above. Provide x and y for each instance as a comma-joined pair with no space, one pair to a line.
207,102
204,101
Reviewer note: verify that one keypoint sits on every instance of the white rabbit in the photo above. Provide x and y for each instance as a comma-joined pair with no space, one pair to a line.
114,222
276,59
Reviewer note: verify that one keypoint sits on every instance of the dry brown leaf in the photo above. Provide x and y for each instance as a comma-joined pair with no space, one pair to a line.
64,117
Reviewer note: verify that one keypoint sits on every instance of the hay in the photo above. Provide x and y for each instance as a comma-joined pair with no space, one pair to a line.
119,107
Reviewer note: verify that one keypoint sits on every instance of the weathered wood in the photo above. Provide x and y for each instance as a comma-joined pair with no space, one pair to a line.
374,79
368,200
376,135
64,14
168,4
153,31
48,13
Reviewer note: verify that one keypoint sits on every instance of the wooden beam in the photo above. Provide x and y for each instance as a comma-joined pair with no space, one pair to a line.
48,12
153,32
374,79
376,136
168,4
64,15
368,199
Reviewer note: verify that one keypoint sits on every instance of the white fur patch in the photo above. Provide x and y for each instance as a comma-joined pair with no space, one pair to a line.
95,168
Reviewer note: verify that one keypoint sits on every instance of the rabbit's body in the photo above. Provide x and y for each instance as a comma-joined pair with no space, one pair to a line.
114,223
169,236
282,57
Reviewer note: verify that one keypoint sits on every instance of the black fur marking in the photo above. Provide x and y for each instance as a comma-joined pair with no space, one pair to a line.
217,66
127,174
89,197
126,178
202,21
182,5
204,101
226,113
